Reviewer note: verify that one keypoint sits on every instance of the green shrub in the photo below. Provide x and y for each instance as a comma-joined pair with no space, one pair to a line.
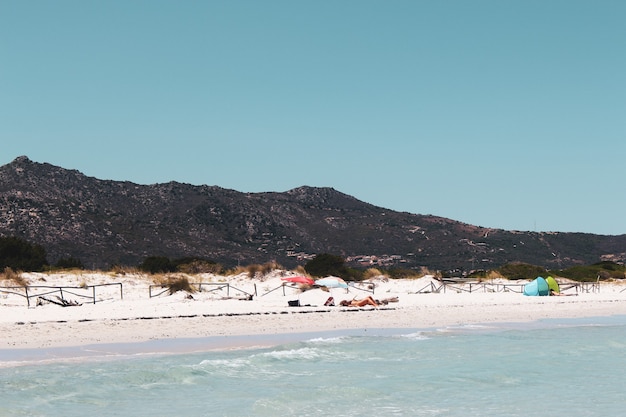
201,267
176,284
253,270
69,263
602,270
157,264
371,273
17,253
261,270
16,277
123,270
268,267
518,270
197,266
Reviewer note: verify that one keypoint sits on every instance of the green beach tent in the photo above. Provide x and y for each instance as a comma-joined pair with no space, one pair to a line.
553,285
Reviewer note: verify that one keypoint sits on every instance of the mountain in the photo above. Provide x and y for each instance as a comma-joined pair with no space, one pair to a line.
104,223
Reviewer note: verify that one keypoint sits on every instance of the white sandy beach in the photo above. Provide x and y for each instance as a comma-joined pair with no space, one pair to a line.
222,311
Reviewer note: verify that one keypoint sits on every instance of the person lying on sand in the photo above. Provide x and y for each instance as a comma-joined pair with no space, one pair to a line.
359,303
560,294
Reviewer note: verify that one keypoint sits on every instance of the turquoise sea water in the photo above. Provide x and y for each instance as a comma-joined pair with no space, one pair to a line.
553,368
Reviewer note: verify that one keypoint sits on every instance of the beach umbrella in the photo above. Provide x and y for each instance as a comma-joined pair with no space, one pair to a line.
331,282
299,280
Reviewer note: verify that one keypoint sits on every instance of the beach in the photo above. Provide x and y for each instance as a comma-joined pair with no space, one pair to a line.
125,312
466,348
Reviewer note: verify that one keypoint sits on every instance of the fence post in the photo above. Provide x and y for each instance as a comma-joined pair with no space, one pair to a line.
121,292
94,294
27,297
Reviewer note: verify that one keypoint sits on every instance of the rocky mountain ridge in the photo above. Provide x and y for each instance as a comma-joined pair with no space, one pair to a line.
103,223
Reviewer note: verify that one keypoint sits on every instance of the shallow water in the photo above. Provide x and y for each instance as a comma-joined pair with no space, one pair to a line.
555,368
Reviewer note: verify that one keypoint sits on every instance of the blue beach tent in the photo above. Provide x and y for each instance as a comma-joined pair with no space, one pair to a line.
537,287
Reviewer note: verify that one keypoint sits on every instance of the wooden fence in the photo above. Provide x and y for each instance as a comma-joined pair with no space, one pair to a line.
159,289
469,287
369,287
87,292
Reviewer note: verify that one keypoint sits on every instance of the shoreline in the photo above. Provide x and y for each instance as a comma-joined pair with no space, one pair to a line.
241,330
472,309
116,350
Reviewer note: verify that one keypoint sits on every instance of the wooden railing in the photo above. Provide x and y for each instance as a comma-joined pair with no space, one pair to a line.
351,284
156,290
469,287
87,292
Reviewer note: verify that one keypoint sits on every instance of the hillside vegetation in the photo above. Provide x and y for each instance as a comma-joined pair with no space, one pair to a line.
99,224
17,254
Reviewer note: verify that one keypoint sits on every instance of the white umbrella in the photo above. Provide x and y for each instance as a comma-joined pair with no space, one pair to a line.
332,282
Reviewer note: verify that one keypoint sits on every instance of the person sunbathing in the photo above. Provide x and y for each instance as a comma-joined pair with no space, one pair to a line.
359,303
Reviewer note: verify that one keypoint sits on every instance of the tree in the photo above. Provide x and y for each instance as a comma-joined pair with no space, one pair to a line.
326,264
156,264
69,263
193,265
19,254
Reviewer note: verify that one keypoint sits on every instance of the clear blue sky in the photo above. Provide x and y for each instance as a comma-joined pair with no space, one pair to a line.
504,114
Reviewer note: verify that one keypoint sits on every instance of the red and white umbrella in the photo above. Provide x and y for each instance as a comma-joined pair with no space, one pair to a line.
299,280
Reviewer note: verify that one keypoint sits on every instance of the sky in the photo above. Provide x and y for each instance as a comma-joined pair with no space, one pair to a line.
497,113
